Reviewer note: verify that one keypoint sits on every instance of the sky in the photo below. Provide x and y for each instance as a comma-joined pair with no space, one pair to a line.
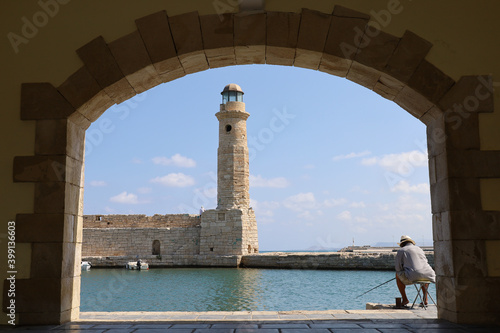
331,162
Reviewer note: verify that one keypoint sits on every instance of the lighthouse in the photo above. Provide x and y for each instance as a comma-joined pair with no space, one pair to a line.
232,154
231,228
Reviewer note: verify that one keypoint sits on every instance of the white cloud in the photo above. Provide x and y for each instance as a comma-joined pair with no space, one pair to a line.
300,202
345,216
358,189
360,204
405,213
264,208
306,215
176,160
402,163
136,160
144,190
259,181
404,186
407,203
334,202
309,166
207,192
174,180
357,229
125,198
98,183
351,155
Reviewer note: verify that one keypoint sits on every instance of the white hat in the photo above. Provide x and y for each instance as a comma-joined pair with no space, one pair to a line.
406,239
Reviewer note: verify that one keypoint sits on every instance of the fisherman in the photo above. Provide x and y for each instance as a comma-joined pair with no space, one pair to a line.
139,262
411,265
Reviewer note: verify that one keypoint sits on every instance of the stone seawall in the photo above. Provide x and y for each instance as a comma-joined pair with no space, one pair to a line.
166,261
325,260
281,260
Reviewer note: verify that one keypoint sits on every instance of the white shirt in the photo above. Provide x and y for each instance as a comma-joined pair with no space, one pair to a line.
412,260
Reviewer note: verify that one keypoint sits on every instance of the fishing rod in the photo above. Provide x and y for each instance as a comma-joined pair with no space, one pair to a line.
376,287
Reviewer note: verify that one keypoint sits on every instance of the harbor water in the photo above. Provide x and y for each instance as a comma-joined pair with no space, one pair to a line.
235,289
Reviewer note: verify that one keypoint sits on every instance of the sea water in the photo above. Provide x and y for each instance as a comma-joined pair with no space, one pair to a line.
235,289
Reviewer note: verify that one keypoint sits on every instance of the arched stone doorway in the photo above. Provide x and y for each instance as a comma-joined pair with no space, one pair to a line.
156,248
165,48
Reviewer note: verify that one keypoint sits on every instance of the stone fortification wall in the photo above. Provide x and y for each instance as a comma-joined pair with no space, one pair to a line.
324,260
292,260
108,242
141,221
228,232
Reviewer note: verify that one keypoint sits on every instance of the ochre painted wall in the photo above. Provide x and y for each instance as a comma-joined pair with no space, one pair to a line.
465,35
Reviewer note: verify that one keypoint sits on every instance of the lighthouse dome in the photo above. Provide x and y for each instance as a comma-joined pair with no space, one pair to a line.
232,87
232,93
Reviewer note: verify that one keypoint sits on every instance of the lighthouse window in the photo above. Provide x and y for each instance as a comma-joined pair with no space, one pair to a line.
228,128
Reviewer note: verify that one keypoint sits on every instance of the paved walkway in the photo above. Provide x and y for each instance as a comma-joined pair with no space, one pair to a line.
336,321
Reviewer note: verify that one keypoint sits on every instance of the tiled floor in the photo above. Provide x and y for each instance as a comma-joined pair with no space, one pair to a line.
336,321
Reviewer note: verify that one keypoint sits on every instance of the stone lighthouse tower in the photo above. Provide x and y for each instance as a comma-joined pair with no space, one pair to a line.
232,155
231,228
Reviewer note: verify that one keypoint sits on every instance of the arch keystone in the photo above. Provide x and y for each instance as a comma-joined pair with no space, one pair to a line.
186,32
250,38
282,32
346,27
157,37
311,41
218,39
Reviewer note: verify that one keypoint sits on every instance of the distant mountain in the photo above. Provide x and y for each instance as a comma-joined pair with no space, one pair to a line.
391,244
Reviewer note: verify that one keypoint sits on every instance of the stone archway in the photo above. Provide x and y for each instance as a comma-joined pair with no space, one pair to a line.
156,248
342,43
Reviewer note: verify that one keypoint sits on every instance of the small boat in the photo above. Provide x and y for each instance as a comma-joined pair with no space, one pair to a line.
86,265
133,265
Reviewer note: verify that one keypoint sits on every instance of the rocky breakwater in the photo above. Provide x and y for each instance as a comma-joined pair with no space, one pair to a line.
325,260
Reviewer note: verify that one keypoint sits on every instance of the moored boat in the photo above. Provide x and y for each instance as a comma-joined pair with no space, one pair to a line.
86,265
134,265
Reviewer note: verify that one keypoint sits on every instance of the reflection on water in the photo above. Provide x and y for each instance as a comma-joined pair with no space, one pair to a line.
232,289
